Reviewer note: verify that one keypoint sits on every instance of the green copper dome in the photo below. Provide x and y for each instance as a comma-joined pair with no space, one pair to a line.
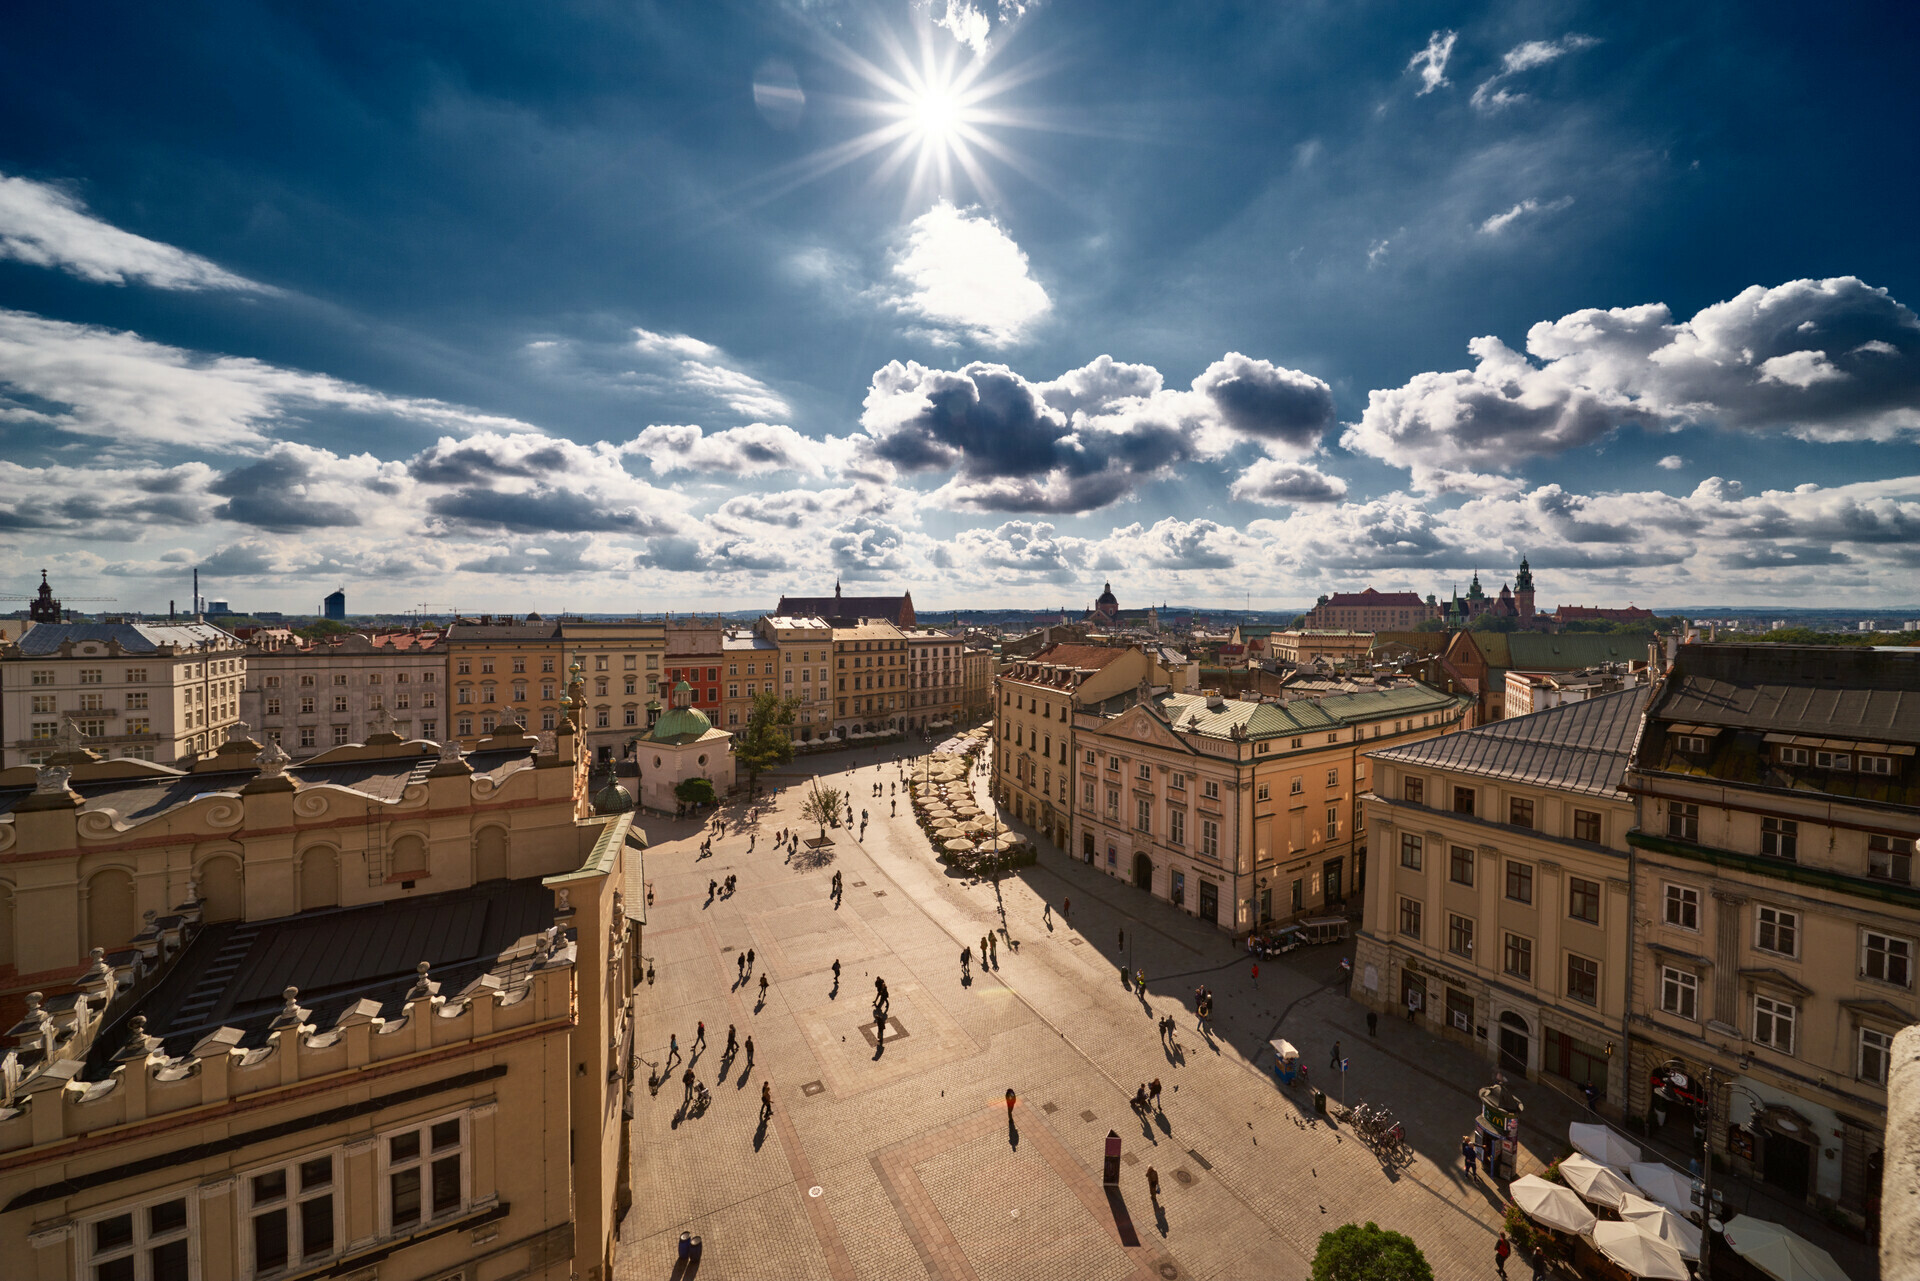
683,720
612,799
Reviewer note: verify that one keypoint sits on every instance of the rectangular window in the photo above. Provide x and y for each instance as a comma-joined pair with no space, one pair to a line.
1876,1055
1874,764
1886,958
139,725
1583,980
424,1173
1333,822
1679,992
340,704
1683,821
1691,743
1410,917
1890,858
1776,930
1333,778
1210,838
1088,759
1264,792
1414,790
91,676
1146,770
306,736
1086,795
1463,800
1779,838
1586,826
1519,881
1296,786
1113,805
1583,900
136,676
1460,935
1519,957
1179,783
1773,1023
138,1243
43,705
1460,865
1519,812
1410,851
1177,826
292,1215
43,677
1793,756
1824,760
1143,815
1683,907
1210,790
339,735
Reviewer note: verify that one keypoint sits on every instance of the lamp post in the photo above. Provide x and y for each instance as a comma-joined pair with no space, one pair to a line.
1706,1161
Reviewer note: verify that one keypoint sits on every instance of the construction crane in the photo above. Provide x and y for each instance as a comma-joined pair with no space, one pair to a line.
422,607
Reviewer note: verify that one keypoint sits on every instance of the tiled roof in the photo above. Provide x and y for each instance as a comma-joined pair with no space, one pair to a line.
1857,693
1079,656
888,607
1578,747
134,638
491,633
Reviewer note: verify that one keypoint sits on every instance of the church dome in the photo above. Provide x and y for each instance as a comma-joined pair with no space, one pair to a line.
1108,598
612,799
683,720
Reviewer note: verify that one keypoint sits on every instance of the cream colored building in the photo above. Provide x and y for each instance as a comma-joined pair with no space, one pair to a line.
1302,648
683,744
1500,901
1779,807
753,668
936,671
312,696
620,666
1033,769
1238,812
806,654
503,672
159,692
365,1015
977,664
869,678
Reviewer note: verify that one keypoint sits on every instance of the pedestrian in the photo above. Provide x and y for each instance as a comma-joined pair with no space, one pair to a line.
1140,982
740,970
733,1042
750,841
673,1046
700,1036
1153,1184
1046,915
686,1079
1501,1252
1153,1092
1256,974
1413,1003
1065,905
966,960
879,1024
1470,1155
1373,1023
749,960
983,950
749,1049
766,1101
1592,1094
1334,1063
836,971
713,887
763,987
993,951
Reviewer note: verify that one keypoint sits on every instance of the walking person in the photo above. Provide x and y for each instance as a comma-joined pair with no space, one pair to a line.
1413,1004
766,1101
700,1037
749,960
1333,1064
1153,1185
740,967
1256,974
733,1043
673,1046
1470,1155
993,951
1501,1252
763,988
713,887
1153,1092
966,962
749,1049
1046,915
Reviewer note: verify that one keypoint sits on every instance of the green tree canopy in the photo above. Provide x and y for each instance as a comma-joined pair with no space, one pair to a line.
765,741
320,628
695,791
1370,1253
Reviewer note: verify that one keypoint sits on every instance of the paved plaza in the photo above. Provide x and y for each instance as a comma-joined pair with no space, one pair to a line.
901,1158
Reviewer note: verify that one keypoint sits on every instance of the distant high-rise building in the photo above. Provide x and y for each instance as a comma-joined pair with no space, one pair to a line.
219,607
335,606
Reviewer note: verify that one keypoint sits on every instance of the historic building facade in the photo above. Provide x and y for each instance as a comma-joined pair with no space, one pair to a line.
503,672
1370,611
869,678
1498,911
936,672
806,652
1033,725
620,673
309,696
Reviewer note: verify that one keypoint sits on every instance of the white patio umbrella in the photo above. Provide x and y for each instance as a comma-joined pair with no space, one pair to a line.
1781,1253
1663,1222
1603,1145
1550,1203
958,845
1639,1254
1594,1182
1661,1182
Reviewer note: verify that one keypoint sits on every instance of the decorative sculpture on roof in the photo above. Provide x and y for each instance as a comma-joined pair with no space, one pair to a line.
380,722
52,780
272,760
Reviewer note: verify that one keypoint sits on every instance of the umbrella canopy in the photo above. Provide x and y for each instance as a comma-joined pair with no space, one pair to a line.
1284,1049
1779,1252
958,845
1551,1204
1597,1183
1603,1145
1661,1182
1660,1221
1639,1254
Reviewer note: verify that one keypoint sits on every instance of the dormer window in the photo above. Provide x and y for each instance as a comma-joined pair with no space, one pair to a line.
1833,760
1692,744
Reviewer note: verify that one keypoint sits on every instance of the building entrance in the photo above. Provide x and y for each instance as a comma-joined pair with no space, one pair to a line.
1143,872
1514,1043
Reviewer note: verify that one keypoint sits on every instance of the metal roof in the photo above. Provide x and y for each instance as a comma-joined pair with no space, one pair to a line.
1577,747
134,638
1816,689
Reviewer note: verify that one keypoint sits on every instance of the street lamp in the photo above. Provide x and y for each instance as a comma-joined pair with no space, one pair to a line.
1706,1153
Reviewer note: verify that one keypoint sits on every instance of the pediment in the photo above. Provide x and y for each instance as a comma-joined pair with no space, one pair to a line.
1141,726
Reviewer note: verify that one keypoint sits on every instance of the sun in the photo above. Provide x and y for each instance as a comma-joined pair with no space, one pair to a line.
935,115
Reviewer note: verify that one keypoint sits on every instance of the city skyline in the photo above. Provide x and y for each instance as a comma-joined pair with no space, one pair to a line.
995,302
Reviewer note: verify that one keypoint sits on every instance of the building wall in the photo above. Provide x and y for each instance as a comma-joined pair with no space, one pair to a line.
315,697
498,675
163,707
1033,764
869,677
937,672
1335,647
694,655
806,666
1514,885
621,666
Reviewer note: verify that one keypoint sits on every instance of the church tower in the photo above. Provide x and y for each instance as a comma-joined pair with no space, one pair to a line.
1523,589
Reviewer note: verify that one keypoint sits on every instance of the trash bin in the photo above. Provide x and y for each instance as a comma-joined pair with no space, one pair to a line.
1319,1100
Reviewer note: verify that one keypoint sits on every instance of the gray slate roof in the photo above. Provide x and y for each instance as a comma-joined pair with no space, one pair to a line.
1856,693
1580,747
134,638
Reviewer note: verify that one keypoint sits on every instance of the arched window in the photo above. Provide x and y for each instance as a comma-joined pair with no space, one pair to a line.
409,856
319,877
222,889
111,918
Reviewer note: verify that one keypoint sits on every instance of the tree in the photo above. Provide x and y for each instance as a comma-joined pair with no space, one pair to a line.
695,791
822,806
1430,625
322,628
1494,623
765,742
1370,1253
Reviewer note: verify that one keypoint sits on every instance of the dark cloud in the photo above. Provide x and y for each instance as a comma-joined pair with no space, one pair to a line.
544,511
490,457
1270,481
1262,400
1784,556
266,495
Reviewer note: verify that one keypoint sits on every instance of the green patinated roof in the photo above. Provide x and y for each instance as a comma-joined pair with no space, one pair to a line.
1532,651
1190,713
683,722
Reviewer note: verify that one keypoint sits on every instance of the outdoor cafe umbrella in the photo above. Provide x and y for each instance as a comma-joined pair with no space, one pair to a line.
1603,1145
1637,1253
1663,1183
958,845
1779,1252
1595,1182
1663,1222
1550,1203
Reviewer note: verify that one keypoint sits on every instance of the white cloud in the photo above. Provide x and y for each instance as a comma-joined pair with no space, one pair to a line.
1492,95
1501,221
682,345
1269,480
1376,251
49,227
752,450
702,368
1431,62
966,278
966,24
1672,462
117,385
1756,362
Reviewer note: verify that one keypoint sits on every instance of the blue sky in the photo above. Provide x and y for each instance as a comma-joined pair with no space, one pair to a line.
609,307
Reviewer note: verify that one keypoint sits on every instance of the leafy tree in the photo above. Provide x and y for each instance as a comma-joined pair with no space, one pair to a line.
695,791
823,806
765,742
1493,623
1430,625
320,628
1370,1253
